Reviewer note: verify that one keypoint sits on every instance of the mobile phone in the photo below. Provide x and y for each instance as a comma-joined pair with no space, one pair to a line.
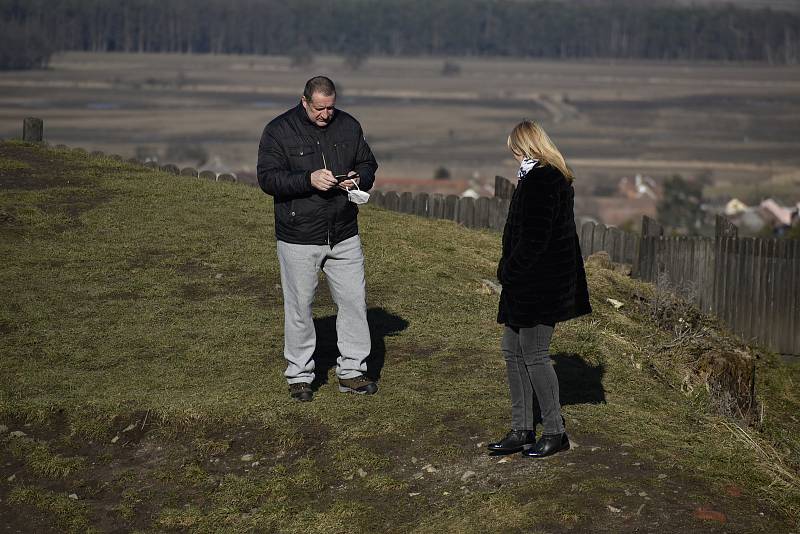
342,177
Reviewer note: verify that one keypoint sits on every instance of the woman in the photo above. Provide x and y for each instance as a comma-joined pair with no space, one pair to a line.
541,271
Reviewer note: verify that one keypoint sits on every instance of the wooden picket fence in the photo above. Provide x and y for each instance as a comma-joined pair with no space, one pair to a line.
483,212
491,212
753,285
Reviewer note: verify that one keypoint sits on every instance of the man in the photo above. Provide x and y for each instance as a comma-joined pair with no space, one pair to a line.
308,158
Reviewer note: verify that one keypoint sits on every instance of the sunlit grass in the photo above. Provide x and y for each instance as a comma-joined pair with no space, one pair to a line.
143,306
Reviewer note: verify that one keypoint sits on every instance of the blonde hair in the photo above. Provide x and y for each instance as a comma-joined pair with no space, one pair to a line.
530,140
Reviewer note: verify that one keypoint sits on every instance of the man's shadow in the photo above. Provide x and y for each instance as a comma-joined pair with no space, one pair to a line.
381,325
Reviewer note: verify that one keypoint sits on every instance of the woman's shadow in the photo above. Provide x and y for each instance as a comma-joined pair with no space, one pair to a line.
579,382
381,325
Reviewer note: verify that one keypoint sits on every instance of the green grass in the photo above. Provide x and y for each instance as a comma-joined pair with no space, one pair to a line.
142,343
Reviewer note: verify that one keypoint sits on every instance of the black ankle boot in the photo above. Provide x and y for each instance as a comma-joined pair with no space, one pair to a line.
515,441
548,445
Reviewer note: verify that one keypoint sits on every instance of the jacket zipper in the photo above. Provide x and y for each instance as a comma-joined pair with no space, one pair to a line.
324,164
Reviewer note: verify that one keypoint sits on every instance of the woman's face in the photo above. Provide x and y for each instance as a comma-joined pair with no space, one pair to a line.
518,157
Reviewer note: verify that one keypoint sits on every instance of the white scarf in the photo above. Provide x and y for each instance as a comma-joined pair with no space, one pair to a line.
525,167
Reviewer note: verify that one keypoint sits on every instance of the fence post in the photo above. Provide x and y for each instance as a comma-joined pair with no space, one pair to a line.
599,237
650,228
499,183
586,239
450,205
407,202
437,206
493,210
724,235
794,315
503,206
465,212
482,212
32,130
391,201
613,244
421,207
724,228
503,188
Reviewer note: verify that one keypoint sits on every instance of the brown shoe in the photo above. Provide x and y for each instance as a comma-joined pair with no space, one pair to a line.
301,391
360,384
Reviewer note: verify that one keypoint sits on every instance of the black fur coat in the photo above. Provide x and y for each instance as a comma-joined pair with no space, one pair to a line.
541,269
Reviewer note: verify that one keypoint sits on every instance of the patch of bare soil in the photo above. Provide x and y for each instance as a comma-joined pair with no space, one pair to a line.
630,494
134,472
600,485
42,172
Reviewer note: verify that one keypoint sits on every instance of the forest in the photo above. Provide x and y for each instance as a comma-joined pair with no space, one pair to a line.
33,29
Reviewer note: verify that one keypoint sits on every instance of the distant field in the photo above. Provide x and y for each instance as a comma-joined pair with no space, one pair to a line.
738,124
777,5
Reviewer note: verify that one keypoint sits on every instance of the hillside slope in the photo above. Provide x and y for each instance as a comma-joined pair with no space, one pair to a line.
141,382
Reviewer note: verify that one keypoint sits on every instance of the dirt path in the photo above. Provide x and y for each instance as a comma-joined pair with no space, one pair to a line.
597,486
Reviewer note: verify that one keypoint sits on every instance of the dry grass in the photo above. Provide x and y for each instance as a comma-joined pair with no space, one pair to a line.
146,378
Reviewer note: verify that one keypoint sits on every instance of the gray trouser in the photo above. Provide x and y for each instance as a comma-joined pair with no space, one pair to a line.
530,371
343,265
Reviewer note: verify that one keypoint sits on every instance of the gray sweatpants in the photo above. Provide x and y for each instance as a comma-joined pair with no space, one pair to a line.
343,265
530,371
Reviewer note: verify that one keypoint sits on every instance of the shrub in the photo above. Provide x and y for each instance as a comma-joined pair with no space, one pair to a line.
441,173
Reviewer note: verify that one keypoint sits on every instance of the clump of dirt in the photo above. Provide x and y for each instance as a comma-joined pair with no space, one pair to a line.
694,352
729,376
712,362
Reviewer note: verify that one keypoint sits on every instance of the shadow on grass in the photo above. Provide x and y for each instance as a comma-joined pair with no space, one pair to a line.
579,381
381,325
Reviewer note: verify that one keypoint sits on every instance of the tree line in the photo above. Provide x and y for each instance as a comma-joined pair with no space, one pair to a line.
517,28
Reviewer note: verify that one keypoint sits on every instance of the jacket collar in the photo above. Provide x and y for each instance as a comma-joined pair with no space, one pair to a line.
305,121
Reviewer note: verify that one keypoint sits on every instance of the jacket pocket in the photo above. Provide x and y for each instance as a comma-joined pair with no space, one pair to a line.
285,212
299,151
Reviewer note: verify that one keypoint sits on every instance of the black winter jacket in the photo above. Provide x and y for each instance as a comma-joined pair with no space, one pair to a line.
291,148
541,269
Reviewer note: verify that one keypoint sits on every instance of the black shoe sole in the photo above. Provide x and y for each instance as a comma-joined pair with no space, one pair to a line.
504,452
527,454
510,450
369,389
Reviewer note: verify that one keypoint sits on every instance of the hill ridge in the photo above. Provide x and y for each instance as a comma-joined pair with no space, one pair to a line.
142,373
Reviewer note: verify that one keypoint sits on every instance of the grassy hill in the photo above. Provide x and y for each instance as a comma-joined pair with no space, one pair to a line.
141,382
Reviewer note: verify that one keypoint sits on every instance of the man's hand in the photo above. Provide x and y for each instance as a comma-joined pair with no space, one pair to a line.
323,179
351,182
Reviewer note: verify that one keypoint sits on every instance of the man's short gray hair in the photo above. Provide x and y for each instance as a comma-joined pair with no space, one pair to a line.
319,84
